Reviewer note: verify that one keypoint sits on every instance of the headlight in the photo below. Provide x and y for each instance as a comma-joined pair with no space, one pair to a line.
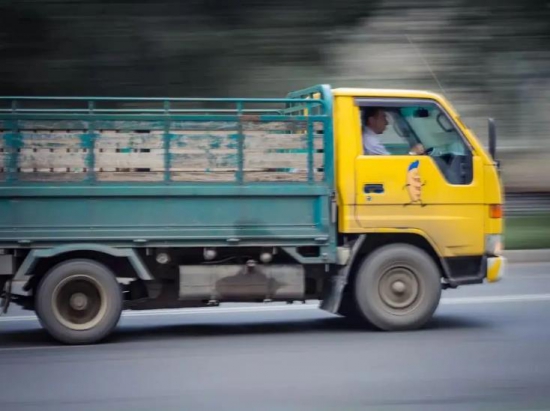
493,244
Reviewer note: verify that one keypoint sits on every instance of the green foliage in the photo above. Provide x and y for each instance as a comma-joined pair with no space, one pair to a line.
527,232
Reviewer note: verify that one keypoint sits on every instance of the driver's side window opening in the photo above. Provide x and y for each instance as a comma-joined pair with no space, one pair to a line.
382,132
417,129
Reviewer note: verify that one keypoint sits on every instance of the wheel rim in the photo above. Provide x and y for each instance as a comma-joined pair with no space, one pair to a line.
399,289
79,302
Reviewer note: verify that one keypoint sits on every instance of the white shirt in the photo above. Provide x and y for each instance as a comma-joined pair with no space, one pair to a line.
371,143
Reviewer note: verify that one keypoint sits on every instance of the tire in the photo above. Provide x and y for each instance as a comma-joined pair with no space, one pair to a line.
79,302
398,287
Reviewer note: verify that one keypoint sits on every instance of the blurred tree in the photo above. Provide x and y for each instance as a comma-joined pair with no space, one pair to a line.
491,57
160,47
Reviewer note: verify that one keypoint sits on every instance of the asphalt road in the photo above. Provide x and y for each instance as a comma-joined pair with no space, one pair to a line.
488,348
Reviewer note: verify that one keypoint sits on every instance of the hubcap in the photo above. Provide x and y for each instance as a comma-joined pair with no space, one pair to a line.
79,302
399,288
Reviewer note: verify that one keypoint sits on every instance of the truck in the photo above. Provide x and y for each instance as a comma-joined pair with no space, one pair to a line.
113,204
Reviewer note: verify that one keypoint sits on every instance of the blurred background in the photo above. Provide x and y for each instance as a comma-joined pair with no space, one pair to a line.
489,58
487,348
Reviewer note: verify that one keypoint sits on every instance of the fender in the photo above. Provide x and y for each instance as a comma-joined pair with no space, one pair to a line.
129,253
331,302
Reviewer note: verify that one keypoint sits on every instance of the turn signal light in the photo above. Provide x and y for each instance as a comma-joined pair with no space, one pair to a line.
495,211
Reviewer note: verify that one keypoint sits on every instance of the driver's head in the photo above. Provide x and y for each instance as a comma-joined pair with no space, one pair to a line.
375,119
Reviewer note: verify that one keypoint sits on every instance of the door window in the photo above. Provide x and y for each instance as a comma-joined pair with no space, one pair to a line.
421,128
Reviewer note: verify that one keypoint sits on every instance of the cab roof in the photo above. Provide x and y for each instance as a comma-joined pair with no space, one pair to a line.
381,92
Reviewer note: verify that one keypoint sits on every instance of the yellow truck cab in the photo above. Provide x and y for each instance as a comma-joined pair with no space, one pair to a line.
447,201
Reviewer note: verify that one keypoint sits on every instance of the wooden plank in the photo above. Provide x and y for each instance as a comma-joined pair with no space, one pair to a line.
279,141
229,170
57,140
211,159
249,176
154,138
50,141
193,151
275,176
197,159
177,176
278,160
128,140
279,176
252,159
203,140
247,151
131,140
50,170
129,176
204,176
110,160
51,158
51,177
181,159
176,133
273,125
251,141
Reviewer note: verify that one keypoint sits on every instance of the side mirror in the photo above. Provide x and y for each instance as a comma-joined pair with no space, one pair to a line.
493,140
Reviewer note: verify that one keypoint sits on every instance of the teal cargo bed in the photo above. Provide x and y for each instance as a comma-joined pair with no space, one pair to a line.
178,172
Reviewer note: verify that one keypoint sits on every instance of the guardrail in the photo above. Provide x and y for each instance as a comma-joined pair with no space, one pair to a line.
520,204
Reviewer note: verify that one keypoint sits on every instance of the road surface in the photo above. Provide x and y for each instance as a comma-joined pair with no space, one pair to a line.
488,348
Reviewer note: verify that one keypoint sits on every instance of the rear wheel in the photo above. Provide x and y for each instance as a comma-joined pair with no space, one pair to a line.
79,302
398,287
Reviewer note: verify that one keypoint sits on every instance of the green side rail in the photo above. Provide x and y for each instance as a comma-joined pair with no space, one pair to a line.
93,113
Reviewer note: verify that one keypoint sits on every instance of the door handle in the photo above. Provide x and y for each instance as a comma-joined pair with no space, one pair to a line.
373,188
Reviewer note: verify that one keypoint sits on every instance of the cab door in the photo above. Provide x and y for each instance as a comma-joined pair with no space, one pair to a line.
438,193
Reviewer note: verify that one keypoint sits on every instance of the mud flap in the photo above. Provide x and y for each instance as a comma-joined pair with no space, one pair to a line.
5,297
331,302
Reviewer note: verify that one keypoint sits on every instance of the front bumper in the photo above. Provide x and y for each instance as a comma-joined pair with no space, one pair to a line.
495,268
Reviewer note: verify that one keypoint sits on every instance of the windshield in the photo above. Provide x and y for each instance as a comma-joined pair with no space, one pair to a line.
433,129
425,124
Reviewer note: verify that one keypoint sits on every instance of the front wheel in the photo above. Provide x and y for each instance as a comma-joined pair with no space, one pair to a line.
79,302
398,287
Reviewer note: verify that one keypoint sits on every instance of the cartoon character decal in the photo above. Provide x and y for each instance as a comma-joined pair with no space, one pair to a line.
414,184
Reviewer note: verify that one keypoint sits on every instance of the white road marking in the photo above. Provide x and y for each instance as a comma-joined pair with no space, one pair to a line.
275,308
498,299
188,311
